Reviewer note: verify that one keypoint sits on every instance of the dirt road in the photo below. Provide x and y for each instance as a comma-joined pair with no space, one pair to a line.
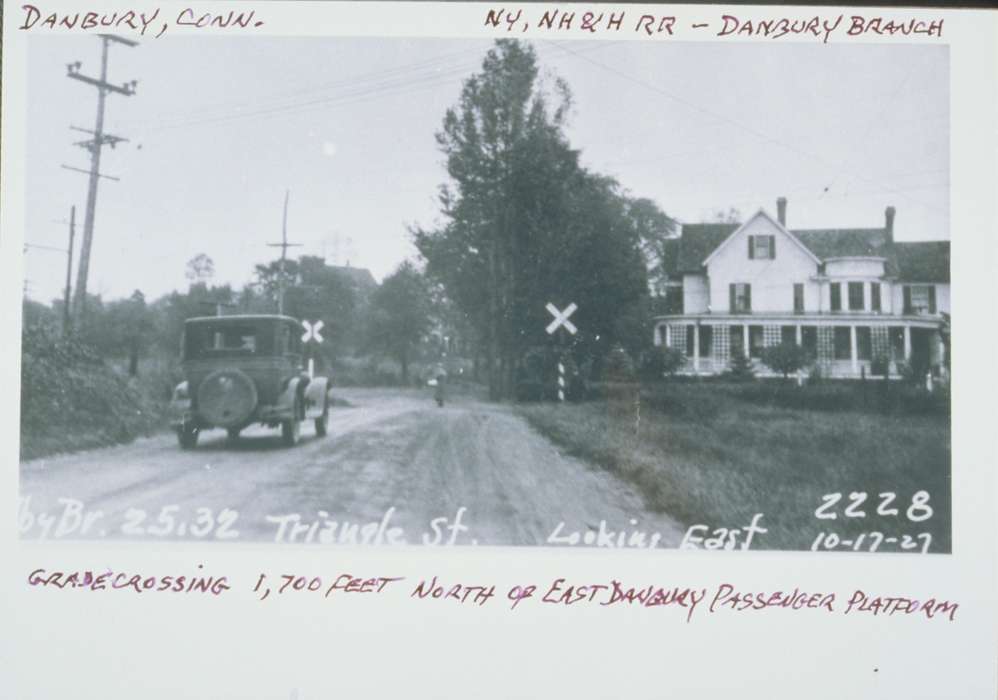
394,468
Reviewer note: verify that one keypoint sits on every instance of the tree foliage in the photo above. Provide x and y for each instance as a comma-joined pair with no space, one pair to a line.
785,358
314,292
400,315
524,223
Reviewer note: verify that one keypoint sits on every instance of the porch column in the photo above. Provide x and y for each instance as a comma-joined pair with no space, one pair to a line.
745,341
907,343
668,336
696,348
800,338
853,354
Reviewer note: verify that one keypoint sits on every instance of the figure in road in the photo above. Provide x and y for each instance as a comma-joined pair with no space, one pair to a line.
439,382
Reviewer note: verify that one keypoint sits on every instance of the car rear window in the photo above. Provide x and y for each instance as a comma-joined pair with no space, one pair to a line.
224,340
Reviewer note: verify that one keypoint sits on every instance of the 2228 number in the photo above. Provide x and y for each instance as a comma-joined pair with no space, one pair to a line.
917,511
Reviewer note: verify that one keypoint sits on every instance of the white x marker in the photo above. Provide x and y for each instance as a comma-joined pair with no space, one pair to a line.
561,318
312,331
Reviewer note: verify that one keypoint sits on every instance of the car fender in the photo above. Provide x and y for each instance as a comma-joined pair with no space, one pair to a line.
315,397
286,400
180,404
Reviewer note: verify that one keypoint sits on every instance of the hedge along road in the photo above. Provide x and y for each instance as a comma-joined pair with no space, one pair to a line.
394,468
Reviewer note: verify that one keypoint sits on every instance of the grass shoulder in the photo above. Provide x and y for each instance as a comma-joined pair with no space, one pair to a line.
716,454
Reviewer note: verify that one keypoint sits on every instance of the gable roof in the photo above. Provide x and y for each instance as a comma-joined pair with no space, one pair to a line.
924,261
671,248
845,243
697,241
765,215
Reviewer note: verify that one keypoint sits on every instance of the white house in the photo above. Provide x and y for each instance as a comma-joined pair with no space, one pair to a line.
848,296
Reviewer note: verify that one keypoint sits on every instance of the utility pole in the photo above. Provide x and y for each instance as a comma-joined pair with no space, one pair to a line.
283,245
66,317
95,145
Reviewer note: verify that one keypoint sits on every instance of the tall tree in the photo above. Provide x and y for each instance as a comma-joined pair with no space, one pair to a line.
525,224
200,269
313,291
401,315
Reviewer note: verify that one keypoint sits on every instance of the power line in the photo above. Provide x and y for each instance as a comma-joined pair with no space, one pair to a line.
406,69
354,90
766,138
95,146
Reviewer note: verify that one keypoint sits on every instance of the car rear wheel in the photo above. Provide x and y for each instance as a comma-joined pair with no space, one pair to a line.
291,428
322,422
187,436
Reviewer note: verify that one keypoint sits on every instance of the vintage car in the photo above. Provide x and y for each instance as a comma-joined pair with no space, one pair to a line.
240,370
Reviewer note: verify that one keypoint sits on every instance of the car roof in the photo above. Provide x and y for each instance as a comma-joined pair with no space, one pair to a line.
237,318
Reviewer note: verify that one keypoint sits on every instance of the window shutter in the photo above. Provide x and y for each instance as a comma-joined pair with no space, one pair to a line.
932,298
772,247
748,297
731,297
907,299
751,248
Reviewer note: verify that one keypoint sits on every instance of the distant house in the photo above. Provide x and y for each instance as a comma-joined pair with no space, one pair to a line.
360,278
848,296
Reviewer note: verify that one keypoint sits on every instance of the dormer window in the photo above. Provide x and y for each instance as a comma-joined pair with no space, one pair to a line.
762,247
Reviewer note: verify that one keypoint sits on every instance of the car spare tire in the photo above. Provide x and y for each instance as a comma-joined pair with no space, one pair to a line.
226,398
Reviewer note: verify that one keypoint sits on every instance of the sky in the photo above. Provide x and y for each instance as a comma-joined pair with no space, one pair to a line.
220,128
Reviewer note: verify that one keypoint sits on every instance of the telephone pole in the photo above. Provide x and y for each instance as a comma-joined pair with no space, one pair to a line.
66,317
283,245
95,145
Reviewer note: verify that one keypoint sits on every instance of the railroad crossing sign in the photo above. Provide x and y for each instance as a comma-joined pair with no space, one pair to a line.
561,318
312,331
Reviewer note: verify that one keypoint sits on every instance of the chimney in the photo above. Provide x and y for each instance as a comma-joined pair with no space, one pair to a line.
889,224
781,210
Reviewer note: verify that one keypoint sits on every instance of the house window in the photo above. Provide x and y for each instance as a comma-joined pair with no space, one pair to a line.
809,340
798,298
740,297
788,335
875,296
836,292
755,341
843,343
855,296
674,299
689,340
762,247
864,344
919,299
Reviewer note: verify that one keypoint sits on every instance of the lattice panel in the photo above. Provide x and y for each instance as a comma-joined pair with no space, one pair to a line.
826,343
880,341
678,336
722,345
771,336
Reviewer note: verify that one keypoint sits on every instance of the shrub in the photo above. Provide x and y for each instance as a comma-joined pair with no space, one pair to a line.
880,366
529,390
71,399
740,369
785,358
662,361
618,366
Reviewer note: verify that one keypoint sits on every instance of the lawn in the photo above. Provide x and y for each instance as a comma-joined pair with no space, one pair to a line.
706,454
